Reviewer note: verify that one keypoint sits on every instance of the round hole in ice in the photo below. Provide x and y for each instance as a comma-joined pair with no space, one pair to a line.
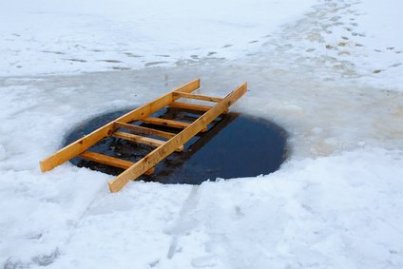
235,146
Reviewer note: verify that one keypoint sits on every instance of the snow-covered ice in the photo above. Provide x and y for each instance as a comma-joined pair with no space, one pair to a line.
47,37
327,71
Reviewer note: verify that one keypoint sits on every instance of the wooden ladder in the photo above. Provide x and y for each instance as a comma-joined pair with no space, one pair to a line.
174,142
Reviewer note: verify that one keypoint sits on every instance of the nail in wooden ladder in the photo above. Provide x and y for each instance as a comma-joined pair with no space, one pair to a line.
162,149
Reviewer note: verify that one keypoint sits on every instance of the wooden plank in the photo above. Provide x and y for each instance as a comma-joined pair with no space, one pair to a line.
75,148
144,130
167,148
197,97
105,159
141,139
72,150
108,160
192,107
169,123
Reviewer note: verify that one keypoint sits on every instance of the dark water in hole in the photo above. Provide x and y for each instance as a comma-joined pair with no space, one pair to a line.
235,146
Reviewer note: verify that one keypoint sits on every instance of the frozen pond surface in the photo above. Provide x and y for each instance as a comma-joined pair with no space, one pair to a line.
345,141
331,78
339,134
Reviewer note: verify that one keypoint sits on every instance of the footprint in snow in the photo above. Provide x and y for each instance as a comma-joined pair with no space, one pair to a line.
76,60
120,68
238,211
344,53
155,63
46,259
53,52
396,65
109,61
154,263
129,54
204,261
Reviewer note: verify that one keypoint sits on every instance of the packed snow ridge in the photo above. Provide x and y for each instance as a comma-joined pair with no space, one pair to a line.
329,72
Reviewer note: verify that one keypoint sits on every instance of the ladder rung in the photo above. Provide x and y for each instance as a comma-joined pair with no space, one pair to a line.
169,123
142,140
166,122
188,106
104,159
108,160
144,130
197,97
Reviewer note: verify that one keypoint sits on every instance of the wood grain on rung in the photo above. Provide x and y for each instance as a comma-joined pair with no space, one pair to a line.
111,161
188,106
142,140
197,97
166,123
144,130
158,154
105,159
139,139
169,123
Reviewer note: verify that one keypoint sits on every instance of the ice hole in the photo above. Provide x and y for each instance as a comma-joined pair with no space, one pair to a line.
234,146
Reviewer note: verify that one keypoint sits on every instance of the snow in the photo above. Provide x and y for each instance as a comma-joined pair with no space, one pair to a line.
76,36
356,39
306,223
335,203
